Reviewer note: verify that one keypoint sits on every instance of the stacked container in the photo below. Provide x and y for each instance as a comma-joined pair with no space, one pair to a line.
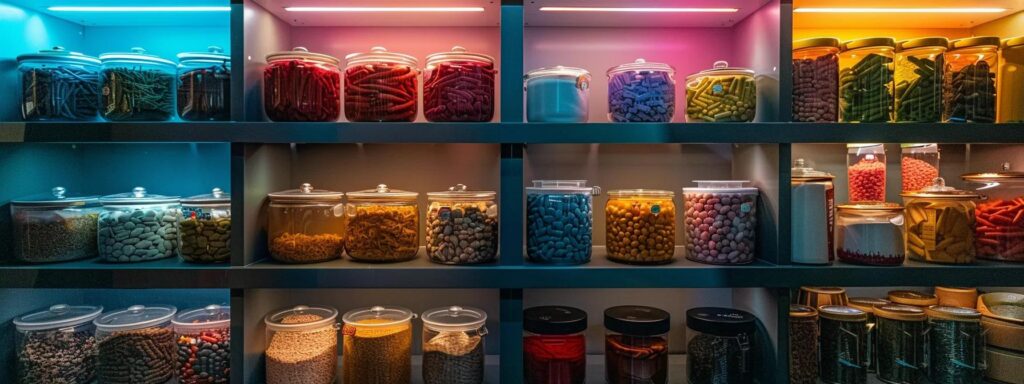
554,346
1011,81
940,224
557,95
306,225
137,86
1000,217
453,345
640,226
721,221
56,345
918,77
870,234
641,92
815,297
722,347
816,80
54,227
900,334
206,227
302,345
377,346
299,85
559,221
813,214
462,226
203,337
969,85
721,94
381,86
918,299
383,225
57,84
204,85
458,86
866,80
137,226
136,346
865,171
636,345
1003,324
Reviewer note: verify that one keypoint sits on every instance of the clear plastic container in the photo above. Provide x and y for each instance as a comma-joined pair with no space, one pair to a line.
381,86
918,77
306,225
453,345
722,348
641,92
844,349
721,94
813,214
866,80
136,346
720,221
803,344
956,345
1010,81
865,171
559,221
458,86
377,346
815,297
912,298
969,85
203,336
940,224
640,226
204,85
206,227
816,80
462,226
636,345
137,86
557,95
300,85
57,84
900,333
870,234
554,345
384,225
919,165
138,226
999,226
54,227
302,345
56,345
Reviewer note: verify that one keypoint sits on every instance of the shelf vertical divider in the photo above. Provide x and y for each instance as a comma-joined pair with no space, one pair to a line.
237,50
237,204
238,330
785,149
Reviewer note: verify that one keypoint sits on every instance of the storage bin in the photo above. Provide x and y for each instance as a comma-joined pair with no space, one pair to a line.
458,86
956,343
865,171
384,225
940,224
641,92
306,225
803,344
377,346
300,85
302,345
559,221
137,86
462,226
957,296
206,227
844,349
721,94
56,345
557,95
919,165
54,227
1000,217
57,84
900,333
136,346
813,214
381,86
921,300
554,346
636,345
203,336
1010,81
204,85
816,80
640,226
870,234
138,226
918,78
722,347
866,80
969,85
721,221
453,345
815,297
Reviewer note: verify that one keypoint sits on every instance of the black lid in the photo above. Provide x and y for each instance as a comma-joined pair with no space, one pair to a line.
720,321
636,320
554,320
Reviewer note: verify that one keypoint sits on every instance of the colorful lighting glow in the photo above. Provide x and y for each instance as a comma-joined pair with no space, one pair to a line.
384,9
899,10
633,9
138,9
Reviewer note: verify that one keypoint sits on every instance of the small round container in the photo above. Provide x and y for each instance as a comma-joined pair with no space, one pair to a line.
204,85
969,88
1000,217
559,221
302,345
919,165
458,86
722,347
453,345
844,351
720,221
918,77
377,345
813,215
138,226
56,345
203,336
957,296
636,345
381,86
462,226
956,345
816,80
870,234
816,297
868,305
384,225
803,344
940,224
865,171
900,349
641,92
136,345
557,95
913,298
137,86
640,226
206,227
300,85
554,345
57,84
866,80
54,227
1010,81
721,94
306,225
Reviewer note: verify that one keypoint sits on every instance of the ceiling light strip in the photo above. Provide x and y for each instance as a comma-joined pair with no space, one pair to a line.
899,10
137,9
634,9
384,9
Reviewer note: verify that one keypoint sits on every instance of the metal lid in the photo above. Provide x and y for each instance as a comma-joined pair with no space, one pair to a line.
60,55
802,311
720,321
301,53
641,193
939,190
942,312
301,317
888,207
454,318
716,186
637,320
138,195
458,54
306,192
382,193
57,316
923,42
216,196
56,198
138,54
869,42
641,65
578,186
377,316
915,298
866,304
213,54
1013,42
819,42
459,192
210,316
842,313
558,71
802,172
1005,174
977,41
722,67
380,55
135,317
900,312
554,320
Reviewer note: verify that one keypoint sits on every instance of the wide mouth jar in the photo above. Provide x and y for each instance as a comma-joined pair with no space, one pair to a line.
382,195
57,199
815,48
455,319
209,317
561,187
137,56
461,193
380,55
641,66
306,194
57,317
138,197
214,56
554,320
217,201
378,317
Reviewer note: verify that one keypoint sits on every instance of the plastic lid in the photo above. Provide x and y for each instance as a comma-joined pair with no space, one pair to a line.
869,42
637,320
216,196
301,53
942,312
900,312
802,311
1005,306
889,207
59,54
454,318
210,316
306,192
641,65
558,71
640,193
802,172
977,41
301,317
722,67
866,304
819,42
939,190
720,321
138,195
56,198
135,317
864,145
213,54
57,316
382,193
1013,42
554,320
459,192
380,55
915,298
924,42
377,316
458,54
717,186
137,54
562,186
842,313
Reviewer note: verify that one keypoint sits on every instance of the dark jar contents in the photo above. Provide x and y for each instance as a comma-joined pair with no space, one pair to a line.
843,346
381,86
203,336
458,86
56,345
956,345
301,86
803,344
57,84
453,345
721,352
204,85
900,332
554,347
137,87
868,304
636,345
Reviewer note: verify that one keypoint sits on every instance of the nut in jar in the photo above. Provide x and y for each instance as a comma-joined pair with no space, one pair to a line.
383,225
940,224
462,226
641,226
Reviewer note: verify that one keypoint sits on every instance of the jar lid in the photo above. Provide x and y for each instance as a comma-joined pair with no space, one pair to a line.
955,290
56,198
918,145
301,53
558,71
720,321
454,318
802,172
819,42
135,317
382,193
842,313
720,68
942,312
562,186
210,316
60,55
915,298
888,207
867,304
865,145
718,186
802,311
377,316
137,55
216,196
213,54
900,312
923,42
380,55
554,320
640,193
57,316
306,192
459,192
458,54
301,317
1013,42
1005,174
637,320
641,65
138,195
824,290
939,190
977,41
869,42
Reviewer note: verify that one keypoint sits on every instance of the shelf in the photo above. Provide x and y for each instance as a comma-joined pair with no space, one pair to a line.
912,273
165,273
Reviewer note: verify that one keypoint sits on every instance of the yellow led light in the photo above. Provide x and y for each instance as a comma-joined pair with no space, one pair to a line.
899,10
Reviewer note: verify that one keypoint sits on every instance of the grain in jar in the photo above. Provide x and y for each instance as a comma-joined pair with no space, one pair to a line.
722,347
636,345
956,345
302,345
205,227
969,81
813,214
203,338
1010,81
803,344
138,226
54,227
870,234
136,346
866,80
816,80
919,165
843,347
56,345
554,345
720,221
306,225
453,345
865,171
900,332
559,221
462,226
383,225
721,94
641,226
999,218
377,346
918,78
940,224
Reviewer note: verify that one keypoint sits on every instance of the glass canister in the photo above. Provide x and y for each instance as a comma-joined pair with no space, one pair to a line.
940,224
866,80
136,346
302,345
137,86
453,345
969,82
204,85
870,234
721,94
636,345
57,84
381,86
844,349
384,225
919,165
918,77
559,221
203,336
56,345
306,225
554,346
300,85
865,171
1010,81
557,95
206,228
377,346
458,86
813,213
640,226
900,348
999,227
913,298
721,221
137,226
868,304
816,297
803,344
462,226
54,227
722,347
956,343
641,92
816,80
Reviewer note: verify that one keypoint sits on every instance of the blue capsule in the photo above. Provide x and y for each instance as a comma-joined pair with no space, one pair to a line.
558,228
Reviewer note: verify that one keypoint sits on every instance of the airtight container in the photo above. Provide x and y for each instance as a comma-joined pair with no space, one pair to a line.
54,227
300,85
844,347
557,95
1010,81
206,227
870,234
969,90
956,345
204,85
816,80
640,226
559,221
137,86
302,345
999,219
641,92
865,171
203,337
57,84
458,86
306,225
722,347
919,165
803,344
813,214
918,79
462,226
381,86
900,334
383,225
56,345
554,345
721,94
136,345
636,345
453,345
957,296
866,80
377,346
138,226
721,221
940,224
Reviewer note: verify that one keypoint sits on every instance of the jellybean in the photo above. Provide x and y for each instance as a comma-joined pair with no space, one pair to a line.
867,181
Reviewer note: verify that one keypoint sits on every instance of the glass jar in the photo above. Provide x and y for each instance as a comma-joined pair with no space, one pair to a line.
803,344
453,345
865,171
204,85
722,347
302,345
957,296
136,346
557,95
721,221
844,349
868,305
815,297
559,221
458,86
816,80
919,165
554,346
56,345
300,85
999,229
640,226
870,234
1011,81
137,86
57,84
306,225
918,77
462,226
721,94
54,227
956,345
381,86
641,92
137,226
913,298
384,225
900,333
206,228
940,224
636,345
203,336
969,83
813,214
866,80
377,346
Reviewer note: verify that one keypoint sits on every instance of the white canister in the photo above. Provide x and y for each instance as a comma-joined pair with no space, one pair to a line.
813,214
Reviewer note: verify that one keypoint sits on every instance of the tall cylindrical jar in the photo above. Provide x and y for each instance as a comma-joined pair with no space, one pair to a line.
377,346
918,78
137,86
919,165
54,227
640,226
900,351
138,226
453,345
381,86
557,95
844,349
56,345
554,346
969,85
1010,81
636,345
383,225
206,227
870,234
999,226
300,85
722,94
868,304
865,171
136,346
816,80
57,84
462,226
722,347
203,336
866,80
803,344
458,86
956,345
721,221
815,297
306,225
204,85
302,345
940,224
641,92
559,221
813,214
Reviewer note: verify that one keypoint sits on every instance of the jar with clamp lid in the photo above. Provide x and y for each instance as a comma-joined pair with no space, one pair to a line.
453,345
137,86
999,219
559,221
203,336
306,225
458,86
641,226
54,227
56,345
722,347
462,226
57,84
381,86
721,94
206,227
383,225
557,95
136,346
940,224
300,85
302,345
138,226
377,345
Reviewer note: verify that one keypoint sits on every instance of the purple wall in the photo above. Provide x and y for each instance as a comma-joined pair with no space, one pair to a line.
756,46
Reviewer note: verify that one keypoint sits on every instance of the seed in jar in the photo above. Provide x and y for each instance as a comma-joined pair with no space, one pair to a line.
138,235
138,356
867,180
720,227
377,354
558,228
57,357
462,233
641,231
205,357
302,356
50,237
302,248
206,239
381,233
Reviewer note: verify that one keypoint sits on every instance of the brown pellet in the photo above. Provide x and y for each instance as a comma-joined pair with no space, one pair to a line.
302,357
138,356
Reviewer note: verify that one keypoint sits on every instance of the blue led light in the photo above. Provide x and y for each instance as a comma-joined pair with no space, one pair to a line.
137,9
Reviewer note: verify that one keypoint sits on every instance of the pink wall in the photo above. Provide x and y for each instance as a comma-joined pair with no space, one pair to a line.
756,46
264,34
